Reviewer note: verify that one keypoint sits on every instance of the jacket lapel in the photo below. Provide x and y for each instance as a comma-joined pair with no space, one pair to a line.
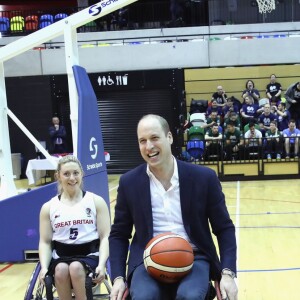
146,209
185,194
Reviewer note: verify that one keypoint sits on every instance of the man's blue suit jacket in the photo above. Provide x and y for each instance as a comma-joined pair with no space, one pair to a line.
202,202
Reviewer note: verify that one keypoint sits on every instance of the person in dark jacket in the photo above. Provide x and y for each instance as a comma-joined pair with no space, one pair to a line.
168,195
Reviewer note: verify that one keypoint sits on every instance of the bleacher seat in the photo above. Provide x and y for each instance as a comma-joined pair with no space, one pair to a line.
31,23
4,24
195,148
196,133
198,119
45,20
90,27
17,24
60,16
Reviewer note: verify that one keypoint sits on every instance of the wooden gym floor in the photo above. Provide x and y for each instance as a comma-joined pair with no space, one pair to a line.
266,215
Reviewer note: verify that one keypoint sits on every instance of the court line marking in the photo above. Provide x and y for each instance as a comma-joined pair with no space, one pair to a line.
5,268
269,270
270,213
113,188
237,223
268,227
271,200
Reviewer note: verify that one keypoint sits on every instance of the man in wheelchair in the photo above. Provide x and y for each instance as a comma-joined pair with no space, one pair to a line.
168,195
74,229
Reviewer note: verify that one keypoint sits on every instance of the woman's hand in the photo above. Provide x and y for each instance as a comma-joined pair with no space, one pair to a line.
42,275
99,275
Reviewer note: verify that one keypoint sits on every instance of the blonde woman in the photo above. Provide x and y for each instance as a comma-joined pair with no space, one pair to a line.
74,229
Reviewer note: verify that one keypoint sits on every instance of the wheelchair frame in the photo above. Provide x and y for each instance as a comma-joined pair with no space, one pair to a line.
38,291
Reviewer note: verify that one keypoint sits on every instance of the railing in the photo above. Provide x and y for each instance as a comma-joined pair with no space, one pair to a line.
254,151
156,14
138,15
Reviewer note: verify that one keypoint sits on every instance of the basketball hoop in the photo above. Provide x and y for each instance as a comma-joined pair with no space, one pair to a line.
265,6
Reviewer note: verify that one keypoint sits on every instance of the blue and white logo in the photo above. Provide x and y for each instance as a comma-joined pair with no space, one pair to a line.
95,10
93,148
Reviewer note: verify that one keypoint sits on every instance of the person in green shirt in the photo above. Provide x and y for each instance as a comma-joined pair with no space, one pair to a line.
213,141
234,142
274,144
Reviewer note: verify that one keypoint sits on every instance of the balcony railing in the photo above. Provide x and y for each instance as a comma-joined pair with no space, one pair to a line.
255,151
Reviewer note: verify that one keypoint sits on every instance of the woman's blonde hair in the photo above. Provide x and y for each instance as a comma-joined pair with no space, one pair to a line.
64,160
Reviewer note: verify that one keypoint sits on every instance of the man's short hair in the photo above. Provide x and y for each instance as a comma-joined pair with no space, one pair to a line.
251,124
231,123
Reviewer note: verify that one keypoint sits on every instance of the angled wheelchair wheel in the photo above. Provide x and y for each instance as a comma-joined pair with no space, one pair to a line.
36,290
32,282
99,291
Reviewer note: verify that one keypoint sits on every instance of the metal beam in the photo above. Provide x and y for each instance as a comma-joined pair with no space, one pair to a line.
66,27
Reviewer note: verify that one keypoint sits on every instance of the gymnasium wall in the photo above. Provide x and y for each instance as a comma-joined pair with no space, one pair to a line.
191,47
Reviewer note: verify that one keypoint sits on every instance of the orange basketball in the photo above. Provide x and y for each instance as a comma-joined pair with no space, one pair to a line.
168,257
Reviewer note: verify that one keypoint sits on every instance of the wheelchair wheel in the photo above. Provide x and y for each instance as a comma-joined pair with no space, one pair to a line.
32,282
101,291
35,289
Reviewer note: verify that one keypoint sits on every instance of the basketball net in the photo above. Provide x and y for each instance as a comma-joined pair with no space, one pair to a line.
265,6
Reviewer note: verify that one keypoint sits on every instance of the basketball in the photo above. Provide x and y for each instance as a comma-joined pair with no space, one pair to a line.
168,257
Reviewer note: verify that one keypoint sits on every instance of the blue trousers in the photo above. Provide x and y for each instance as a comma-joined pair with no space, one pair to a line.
193,286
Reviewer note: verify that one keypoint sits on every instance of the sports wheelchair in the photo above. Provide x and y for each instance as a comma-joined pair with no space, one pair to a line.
38,291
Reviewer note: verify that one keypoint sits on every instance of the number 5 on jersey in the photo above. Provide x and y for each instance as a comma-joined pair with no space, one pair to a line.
73,233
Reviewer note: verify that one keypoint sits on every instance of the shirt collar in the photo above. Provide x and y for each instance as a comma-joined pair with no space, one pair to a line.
174,177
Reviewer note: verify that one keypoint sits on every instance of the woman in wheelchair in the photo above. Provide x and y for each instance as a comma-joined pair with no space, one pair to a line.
74,229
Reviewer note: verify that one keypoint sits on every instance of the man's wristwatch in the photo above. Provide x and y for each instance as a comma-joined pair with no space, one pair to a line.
228,272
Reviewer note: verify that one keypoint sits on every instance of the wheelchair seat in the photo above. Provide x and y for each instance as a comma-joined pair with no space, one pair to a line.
38,291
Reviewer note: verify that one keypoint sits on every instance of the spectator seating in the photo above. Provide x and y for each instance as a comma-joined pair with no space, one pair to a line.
60,16
198,119
195,148
31,23
45,20
91,26
17,24
4,25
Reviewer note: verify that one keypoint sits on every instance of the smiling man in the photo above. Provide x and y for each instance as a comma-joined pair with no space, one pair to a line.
167,195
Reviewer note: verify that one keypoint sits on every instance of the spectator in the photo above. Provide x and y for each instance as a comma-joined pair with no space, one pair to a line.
167,195
213,144
234,142
214,107
230,107
253,140
70,252
283,116
248,110
251,91
274,142
58,135
265,118
291,139
233,117
220,96
212,119
176,9
292,96
273,91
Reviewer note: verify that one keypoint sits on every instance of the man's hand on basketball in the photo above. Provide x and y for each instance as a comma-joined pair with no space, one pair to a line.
118,289
228,288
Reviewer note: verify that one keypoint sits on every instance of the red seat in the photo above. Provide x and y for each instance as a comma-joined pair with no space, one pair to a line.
31,23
